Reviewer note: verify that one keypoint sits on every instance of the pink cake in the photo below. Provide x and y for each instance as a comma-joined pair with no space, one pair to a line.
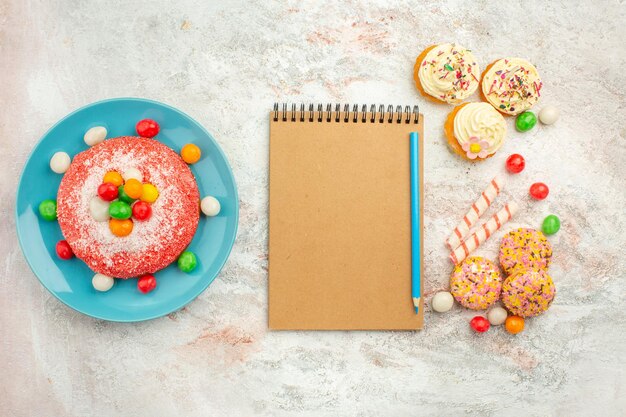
153,244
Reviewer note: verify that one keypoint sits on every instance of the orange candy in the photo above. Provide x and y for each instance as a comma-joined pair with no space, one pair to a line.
514,324
114,178
133,188
190,153
121,228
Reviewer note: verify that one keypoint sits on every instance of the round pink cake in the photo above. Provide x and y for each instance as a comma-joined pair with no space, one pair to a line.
153,244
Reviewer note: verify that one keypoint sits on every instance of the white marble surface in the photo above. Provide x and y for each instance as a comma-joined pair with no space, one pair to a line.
225,63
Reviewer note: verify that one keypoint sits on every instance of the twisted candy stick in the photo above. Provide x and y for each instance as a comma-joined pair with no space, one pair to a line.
484,231
478,208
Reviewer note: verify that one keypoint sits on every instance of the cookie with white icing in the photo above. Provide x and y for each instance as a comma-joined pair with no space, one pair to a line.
446,73
511,85
475,131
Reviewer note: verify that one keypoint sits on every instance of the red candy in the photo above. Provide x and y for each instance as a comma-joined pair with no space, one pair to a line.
515,163
63,250
147,128
146,283
142,210
479,324
539,190
107,191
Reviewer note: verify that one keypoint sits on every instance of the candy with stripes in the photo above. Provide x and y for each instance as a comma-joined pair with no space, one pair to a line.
476,210
483,232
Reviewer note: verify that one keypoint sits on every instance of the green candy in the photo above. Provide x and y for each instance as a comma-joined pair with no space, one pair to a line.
551,225
123,196
120,210
187,261
525,121
48,210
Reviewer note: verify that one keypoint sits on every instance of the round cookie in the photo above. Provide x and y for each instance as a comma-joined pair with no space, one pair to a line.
528,293
446,73
524,249
475,283
511,85
475,131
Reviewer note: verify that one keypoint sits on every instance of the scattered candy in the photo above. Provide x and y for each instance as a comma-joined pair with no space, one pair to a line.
114,178
539,190
102,282
147,128
525,121
149,193
141,210
146,283
515,163
48,210
479,324
132,173
99,209
210,206
60,162
121,227
133,188
107,191
95,135
442,302
549,115
514,324
190,153
121,194
187,261
120,210
551,225
63,250
497,316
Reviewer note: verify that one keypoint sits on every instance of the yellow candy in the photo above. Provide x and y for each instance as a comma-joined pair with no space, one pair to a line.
190,153
133,188
149,193
114,178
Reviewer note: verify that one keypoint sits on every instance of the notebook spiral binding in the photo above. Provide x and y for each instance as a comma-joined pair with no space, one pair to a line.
372,116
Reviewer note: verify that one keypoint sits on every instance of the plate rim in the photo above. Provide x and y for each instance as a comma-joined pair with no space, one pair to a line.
185,301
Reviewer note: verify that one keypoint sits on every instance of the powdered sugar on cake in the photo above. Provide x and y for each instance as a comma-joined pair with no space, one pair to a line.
153,244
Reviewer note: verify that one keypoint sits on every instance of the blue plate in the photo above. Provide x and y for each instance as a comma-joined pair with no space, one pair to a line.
70,281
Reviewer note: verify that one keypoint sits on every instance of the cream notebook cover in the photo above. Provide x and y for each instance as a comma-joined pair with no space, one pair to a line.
340,219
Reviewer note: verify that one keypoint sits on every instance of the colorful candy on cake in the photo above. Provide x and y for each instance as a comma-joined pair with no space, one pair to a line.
128,206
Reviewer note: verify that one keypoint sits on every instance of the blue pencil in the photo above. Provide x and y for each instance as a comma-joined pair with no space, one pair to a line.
416,257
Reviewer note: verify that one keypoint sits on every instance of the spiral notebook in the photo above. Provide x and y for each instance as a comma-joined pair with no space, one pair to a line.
340,218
